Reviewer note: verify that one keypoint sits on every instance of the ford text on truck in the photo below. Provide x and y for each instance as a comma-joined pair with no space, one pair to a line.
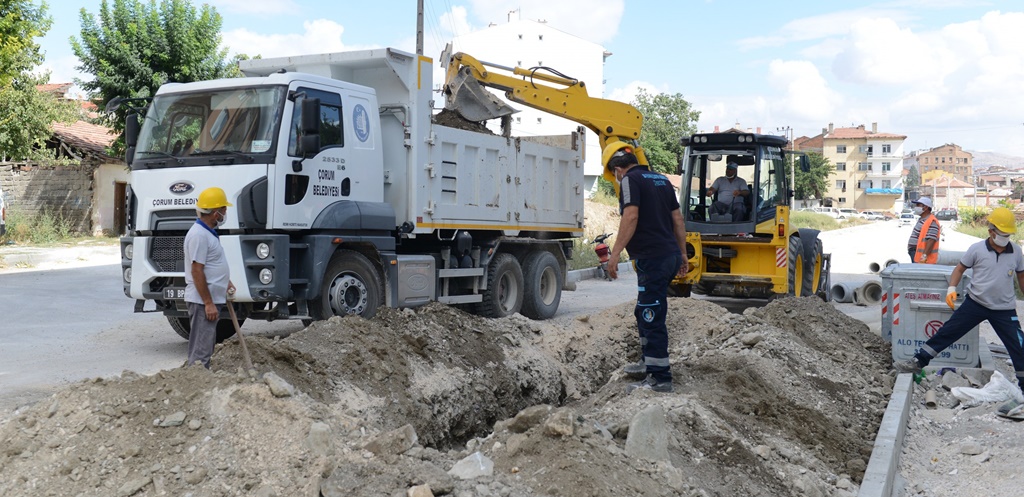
347,196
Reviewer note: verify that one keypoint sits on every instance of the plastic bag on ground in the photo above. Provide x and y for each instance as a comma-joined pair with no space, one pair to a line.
998,389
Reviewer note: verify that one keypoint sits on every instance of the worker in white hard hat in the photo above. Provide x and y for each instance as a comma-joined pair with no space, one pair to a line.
207,278
990,297
923,245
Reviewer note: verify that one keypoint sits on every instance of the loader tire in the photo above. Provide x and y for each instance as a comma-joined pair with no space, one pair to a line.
351,286
804,276
680,289
542,276
504,294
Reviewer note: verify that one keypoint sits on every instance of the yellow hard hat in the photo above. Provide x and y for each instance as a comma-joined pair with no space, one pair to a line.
1003,220
612,149
213,198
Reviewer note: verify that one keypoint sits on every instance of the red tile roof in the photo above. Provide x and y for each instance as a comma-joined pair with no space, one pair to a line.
85,136
860,132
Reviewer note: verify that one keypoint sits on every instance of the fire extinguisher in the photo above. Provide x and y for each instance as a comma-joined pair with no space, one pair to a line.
603,254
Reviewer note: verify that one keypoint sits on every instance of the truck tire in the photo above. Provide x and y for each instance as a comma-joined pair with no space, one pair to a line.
225,329
351,285
804,276
504,294
542,276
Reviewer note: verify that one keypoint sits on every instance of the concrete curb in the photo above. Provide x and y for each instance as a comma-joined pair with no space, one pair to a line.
591,273
885,457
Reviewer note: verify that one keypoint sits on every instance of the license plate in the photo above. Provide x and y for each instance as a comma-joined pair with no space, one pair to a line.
172,293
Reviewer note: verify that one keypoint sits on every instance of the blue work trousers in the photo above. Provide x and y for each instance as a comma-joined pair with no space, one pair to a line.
653,277
971,314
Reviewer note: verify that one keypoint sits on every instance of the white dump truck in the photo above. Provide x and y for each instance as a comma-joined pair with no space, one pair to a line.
347,194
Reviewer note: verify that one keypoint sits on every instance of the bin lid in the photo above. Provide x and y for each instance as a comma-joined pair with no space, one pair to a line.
919,271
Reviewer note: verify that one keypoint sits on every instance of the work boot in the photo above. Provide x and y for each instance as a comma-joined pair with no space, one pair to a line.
650,383
636,370
908,366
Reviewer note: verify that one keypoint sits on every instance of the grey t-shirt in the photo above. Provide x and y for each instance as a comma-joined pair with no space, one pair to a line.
992,282
202,246
725,187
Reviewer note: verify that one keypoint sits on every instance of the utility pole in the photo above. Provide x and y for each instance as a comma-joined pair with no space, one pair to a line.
419,27
788,133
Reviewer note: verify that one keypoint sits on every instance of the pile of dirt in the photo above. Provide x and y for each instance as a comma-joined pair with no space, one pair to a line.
453,119
782,400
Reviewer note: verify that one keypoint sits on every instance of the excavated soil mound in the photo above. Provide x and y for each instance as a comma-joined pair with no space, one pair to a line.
782,400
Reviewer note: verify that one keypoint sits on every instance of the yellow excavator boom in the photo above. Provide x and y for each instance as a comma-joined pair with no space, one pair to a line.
540,88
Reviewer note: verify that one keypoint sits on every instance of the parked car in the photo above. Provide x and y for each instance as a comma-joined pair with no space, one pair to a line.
946,215
829,211
908,219
850,213
872,216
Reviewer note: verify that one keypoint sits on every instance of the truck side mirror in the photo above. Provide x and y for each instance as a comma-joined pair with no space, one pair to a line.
131,136
310,140
805,164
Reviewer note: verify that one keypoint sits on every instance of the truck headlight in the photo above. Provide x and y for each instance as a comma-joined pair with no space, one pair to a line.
266,276
262,250
127,275
129,251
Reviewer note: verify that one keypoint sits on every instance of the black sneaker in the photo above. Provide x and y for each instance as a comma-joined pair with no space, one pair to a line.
650,383
636,370
908,366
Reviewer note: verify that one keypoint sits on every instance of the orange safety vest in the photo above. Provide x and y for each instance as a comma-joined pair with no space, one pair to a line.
934,256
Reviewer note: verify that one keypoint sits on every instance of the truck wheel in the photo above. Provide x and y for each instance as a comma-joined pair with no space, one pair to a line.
351,285
504,294
225,329
804,276
543,278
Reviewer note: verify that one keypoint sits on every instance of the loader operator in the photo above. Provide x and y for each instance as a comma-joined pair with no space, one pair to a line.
990,296
923,245
652,229
730,189
207,279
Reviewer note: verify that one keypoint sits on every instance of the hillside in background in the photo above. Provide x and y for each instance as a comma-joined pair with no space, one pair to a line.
989,159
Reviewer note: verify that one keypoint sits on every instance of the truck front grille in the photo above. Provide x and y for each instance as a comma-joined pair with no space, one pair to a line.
168,253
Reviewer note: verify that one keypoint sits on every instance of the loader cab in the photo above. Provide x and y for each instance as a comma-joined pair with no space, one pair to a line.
760,164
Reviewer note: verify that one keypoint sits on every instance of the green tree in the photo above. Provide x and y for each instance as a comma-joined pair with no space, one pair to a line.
816,181
667,118
26,114
913,179
134,47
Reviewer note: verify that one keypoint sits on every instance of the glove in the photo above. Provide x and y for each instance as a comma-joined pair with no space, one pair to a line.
924,257
951,296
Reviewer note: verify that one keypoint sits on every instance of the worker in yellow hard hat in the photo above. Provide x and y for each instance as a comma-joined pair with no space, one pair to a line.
990,296
207,276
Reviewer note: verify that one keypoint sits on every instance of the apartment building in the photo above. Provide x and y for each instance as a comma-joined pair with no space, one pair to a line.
868,166
949,158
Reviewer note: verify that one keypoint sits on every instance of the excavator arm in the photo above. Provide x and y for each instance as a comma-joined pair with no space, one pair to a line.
540,88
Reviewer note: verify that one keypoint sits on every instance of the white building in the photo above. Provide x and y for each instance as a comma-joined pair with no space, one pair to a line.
527,44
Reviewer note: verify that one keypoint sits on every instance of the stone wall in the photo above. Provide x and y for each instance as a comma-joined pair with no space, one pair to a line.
64,191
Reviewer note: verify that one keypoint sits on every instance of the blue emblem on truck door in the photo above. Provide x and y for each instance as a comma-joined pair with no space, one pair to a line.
361,122
181,188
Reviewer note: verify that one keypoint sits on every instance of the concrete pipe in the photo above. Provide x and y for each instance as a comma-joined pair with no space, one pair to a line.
949,257
890,262
870,293
874,267
843,292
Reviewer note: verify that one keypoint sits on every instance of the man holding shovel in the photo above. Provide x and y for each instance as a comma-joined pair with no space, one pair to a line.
207,277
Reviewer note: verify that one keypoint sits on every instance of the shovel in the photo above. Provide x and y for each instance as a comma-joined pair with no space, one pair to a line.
241,336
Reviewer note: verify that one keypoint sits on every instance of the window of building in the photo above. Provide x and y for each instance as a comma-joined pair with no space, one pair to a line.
886,148
864,183
840,149
842,200
886,183
886,166
841,184
865,149
863,166
840,166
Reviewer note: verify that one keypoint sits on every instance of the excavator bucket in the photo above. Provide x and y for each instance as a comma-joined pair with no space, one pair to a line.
466,96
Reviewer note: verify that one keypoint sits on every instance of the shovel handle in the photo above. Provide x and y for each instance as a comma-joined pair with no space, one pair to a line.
241,337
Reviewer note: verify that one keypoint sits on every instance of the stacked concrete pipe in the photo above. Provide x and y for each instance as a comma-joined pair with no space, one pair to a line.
860,293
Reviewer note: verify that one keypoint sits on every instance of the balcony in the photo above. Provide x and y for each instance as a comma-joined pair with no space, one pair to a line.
884,192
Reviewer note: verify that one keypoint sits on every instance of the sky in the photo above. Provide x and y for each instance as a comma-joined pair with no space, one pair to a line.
936,71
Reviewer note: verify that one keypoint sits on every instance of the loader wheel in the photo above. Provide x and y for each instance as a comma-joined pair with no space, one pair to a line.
542,276
225,329
680,289
504,294
804,276
351,286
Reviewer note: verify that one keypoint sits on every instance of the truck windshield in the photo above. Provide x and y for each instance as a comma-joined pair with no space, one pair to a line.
232,122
